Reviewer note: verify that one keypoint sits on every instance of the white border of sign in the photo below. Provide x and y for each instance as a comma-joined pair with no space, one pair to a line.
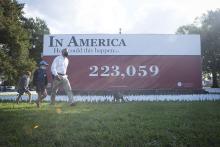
122,44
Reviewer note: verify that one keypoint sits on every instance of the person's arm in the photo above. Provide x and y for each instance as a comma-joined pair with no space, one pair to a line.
25,83
46,80
35,78
66,64
53,67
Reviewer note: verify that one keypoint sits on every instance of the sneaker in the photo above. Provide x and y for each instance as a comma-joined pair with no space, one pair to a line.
52,103
38,104
73,104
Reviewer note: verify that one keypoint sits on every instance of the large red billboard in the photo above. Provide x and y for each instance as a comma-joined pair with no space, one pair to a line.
100,62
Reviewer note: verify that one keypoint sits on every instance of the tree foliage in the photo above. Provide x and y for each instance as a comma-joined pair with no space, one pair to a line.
36,29
14,41
208,26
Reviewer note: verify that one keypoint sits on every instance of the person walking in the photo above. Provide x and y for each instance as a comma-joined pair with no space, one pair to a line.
60,78
40,81
23,86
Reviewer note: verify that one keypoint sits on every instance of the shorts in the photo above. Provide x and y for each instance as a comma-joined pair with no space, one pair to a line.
22,91
40,88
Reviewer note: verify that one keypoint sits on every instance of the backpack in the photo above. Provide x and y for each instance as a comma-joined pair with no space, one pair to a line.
40,76
23,82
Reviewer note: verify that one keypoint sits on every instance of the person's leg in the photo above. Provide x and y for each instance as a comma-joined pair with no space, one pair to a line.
43,94
20,93
38,98
29,95
18,98
55,86
68,90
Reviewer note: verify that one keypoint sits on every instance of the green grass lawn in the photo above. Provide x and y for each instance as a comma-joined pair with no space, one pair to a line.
111,124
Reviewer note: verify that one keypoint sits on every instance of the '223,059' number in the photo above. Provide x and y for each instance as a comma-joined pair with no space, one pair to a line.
130,71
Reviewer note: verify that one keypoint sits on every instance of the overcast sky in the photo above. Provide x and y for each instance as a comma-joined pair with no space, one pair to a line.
107,16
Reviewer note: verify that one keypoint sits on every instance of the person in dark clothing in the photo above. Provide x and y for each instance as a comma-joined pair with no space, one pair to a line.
23,86
40,81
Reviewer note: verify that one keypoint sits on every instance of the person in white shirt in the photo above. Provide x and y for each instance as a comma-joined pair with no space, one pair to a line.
58,69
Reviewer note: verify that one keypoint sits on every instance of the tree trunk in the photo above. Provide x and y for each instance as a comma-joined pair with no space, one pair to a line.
214,79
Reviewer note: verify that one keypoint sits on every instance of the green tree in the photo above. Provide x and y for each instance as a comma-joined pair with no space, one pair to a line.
36,29
14,41
208,26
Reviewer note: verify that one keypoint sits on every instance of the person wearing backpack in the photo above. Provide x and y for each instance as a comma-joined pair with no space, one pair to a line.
23,86
40,81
